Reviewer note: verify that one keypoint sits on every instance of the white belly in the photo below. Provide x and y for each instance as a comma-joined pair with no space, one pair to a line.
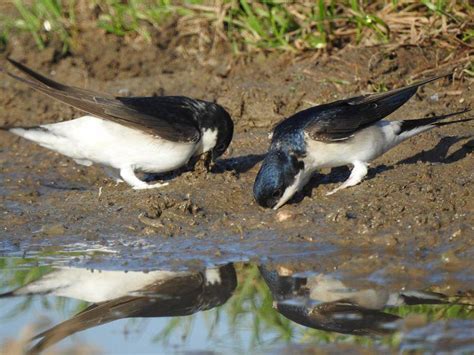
96,285
366,145
111,144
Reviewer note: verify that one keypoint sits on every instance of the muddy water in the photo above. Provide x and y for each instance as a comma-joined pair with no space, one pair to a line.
408,226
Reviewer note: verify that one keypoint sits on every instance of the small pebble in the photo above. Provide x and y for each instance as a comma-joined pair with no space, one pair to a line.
434,97
282,216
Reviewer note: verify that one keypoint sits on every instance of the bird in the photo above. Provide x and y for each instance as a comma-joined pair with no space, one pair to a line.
116,294
151,134
344,132
324,302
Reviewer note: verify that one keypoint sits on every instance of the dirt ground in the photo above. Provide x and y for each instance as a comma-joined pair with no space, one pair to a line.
410,223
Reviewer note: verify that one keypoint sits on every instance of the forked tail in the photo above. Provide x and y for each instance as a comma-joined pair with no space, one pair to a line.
410,128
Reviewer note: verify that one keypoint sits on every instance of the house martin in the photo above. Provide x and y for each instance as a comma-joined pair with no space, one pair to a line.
129,134
116,294
344,132
324,302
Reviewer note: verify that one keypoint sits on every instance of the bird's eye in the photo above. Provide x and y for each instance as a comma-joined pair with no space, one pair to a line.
220,147
277,193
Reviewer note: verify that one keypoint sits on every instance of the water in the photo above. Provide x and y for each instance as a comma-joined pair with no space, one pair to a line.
226,308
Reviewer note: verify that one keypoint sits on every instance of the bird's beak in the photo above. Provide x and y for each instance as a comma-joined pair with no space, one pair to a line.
279,204
290,191
288,194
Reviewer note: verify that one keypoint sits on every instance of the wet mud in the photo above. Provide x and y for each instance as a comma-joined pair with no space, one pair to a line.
409,223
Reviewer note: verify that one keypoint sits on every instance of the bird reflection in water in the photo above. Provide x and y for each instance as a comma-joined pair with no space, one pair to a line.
324,302
118,294
319,301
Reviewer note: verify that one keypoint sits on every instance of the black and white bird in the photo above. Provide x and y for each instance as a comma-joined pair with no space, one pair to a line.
117,294
325,302
129,134
345,132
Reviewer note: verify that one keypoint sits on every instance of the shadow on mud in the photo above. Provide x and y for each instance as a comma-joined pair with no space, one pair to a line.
240,164
439,153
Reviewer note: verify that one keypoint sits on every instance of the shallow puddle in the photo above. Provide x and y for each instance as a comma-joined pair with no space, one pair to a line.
52,301
198,266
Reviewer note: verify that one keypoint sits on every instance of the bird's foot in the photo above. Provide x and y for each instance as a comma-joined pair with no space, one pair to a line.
128,175
357,175
339,188
334,191
146,186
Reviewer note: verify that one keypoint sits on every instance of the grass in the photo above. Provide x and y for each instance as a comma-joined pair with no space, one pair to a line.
252,25
42,19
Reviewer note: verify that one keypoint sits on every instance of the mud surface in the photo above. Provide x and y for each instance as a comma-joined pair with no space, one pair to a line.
410,223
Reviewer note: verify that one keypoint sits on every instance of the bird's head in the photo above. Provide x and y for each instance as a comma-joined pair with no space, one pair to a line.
279,178
217,130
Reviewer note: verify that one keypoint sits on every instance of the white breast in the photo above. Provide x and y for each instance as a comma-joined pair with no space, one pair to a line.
366,145
95,285
213,276
208,141
111,144
325,288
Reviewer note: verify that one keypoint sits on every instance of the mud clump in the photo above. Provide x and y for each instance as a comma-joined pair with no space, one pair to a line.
169,216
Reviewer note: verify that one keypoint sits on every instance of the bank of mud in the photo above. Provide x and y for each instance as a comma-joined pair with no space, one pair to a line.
410,222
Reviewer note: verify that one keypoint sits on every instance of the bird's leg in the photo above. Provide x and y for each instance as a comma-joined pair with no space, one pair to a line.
357,174
128,175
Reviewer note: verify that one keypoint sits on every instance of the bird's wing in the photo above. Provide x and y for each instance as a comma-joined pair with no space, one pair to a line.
171,118
339,120
174,297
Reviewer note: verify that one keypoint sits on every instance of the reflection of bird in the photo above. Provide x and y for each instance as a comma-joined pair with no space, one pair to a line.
325,288
339,317
120,295
149,134
345,132
323,302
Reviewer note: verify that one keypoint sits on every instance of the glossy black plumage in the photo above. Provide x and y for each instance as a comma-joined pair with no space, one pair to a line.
175,118
129,134
339,120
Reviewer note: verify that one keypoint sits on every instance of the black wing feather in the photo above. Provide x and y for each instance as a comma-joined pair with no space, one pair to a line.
341,119
169,117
